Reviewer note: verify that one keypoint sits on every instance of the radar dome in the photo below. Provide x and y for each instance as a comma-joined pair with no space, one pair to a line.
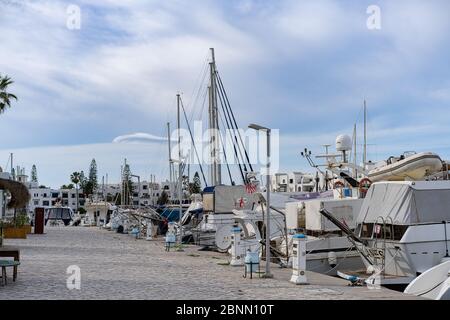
343,143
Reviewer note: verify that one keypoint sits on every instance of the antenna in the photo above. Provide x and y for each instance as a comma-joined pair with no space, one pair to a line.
326,146
365,135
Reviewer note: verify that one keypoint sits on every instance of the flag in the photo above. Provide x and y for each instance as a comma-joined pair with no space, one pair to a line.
250,188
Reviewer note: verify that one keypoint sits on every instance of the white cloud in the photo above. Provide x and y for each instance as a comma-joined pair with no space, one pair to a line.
138,137
121,72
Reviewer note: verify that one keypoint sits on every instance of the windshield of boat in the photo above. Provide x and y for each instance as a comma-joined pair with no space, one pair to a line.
59,213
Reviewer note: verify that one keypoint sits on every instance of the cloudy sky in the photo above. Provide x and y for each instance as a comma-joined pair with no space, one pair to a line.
303,67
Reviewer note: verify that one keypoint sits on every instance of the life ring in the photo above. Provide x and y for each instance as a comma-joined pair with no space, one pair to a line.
338,185
364,185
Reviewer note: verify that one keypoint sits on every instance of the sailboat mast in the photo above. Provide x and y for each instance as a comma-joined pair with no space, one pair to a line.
365,135
211,139
180,175
214,123
170,156
355,172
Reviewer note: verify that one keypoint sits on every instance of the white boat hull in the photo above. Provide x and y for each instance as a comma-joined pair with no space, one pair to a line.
433,284
414,168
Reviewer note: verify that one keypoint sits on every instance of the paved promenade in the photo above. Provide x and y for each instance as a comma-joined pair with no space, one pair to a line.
116,266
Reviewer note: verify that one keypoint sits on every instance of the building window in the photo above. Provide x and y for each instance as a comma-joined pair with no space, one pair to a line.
45,203
36,202
291,181
55,195
65,195
145,187
73,195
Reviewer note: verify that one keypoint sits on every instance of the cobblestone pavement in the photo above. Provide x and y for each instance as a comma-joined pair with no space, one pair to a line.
117,266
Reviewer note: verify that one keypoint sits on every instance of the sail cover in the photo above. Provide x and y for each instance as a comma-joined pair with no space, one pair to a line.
406,203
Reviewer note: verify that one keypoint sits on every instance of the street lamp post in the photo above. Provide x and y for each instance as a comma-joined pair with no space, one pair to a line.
268,258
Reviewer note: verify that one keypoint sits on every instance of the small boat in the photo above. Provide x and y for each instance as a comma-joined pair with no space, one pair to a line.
59,215
432,284
409,166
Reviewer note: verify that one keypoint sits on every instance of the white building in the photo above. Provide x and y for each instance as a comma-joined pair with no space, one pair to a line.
293,182
47,197
144,193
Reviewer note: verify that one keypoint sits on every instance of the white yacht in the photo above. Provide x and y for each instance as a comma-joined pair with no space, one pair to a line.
403,227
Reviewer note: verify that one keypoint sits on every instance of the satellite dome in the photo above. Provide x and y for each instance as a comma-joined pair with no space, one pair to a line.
343,143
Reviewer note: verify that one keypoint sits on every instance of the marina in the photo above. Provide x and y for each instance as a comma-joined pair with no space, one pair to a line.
117,266
184,157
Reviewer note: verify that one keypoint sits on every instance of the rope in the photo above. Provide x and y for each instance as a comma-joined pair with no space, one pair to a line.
225,155
234,119
234,145
225,106
193,143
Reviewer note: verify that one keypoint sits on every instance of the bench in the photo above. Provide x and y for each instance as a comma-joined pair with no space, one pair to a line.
4,264
10,252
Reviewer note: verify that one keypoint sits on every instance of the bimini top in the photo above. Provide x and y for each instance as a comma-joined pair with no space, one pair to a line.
406,203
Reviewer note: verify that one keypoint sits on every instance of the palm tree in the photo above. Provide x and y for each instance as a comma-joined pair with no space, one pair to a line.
75,178
5,97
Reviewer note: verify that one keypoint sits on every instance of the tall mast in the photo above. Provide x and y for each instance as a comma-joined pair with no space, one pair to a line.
365,135
355,172
214,123
211,139
180,175
170,155
13,174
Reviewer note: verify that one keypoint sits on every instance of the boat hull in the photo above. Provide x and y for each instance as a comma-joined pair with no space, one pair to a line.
413,168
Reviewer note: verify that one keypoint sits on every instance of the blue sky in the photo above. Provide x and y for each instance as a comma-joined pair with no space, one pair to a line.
303,67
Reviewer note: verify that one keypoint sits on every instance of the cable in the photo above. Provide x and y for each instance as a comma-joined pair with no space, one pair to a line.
232,131
234,145
193,143
234,119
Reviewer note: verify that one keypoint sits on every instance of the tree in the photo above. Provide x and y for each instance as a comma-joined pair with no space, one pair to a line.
83,181
88,188
93,176
127,184
75,178
196,186
5,96
163,198
34,177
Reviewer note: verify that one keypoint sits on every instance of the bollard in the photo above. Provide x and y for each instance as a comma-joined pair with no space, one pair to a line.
135,232
236,248
251,263
299,263
170,236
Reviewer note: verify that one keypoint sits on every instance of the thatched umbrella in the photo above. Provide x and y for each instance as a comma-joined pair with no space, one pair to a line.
19,193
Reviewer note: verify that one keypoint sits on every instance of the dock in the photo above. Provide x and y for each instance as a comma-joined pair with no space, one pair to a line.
118,266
